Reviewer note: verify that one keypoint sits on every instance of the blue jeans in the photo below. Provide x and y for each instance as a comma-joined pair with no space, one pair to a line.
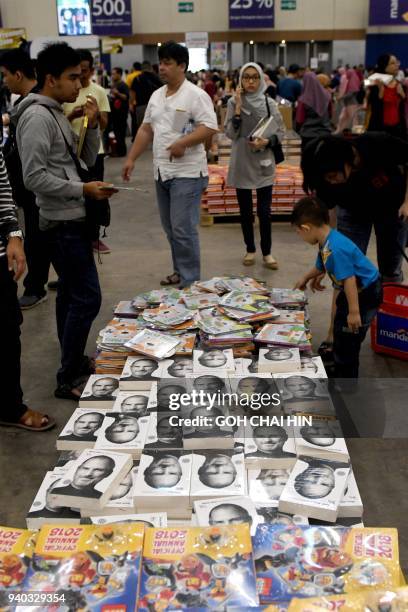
390,233
79,294
179,207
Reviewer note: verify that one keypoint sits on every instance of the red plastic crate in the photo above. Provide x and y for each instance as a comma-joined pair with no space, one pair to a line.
389,330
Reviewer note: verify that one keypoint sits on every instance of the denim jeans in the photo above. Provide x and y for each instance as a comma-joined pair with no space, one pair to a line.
179,207
12,407
263,209
347,345
390,233
78,297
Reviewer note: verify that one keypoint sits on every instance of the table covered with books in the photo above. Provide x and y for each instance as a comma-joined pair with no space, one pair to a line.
204,468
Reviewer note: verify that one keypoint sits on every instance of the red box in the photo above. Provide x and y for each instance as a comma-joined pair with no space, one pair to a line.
389,330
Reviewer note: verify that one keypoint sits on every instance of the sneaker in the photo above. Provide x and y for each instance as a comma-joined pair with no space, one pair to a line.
100,247
31,301
52,285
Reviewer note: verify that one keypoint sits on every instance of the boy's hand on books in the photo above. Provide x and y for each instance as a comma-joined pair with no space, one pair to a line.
16,257
93,190
258,144
316,283
354,321
127,170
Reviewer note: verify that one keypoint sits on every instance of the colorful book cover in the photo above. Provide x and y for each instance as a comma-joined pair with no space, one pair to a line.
16,551
90,567
318,561
197,568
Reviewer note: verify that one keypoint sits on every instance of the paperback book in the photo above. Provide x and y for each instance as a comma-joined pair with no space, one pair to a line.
270,446
139,373
217,474
153,344
275,360
227,511
123,433
43,510
323,440
100,391
152,519
132,403
267,485
81,430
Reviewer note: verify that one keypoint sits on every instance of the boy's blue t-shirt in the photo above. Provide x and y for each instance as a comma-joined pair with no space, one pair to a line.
341,258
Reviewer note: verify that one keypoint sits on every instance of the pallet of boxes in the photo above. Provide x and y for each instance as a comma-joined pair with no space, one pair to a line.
204,468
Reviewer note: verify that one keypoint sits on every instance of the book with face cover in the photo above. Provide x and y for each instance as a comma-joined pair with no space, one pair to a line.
81,429
100,391
217,474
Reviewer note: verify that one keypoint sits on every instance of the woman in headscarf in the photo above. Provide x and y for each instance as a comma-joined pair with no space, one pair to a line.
252,164
386,103
350,85
314,110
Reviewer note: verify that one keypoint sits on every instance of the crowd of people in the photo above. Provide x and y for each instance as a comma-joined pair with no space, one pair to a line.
59,128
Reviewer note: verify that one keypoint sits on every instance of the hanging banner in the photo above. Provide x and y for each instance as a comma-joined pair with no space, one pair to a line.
11,38
388,12
251,14
196,40
111,46
219,55
111,17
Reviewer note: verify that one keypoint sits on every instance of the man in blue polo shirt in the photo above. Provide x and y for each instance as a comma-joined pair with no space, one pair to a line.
358,281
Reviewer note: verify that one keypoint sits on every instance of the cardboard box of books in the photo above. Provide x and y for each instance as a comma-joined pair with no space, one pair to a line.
316,561
123,433
213,361
163,482
16,553
100,391
227,511
315,488
81,430
152,519
91,479
198,568
323,440
43,510
279,359
139,373
267,485
161,435
217,474
304,394
270,446
135,403
121,500
96,567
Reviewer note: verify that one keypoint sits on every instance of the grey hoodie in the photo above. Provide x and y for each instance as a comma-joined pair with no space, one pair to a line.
48,168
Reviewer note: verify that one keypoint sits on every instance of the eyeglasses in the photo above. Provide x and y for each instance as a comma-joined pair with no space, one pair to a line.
254,78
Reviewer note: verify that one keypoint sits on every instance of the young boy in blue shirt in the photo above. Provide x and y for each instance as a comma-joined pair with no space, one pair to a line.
351,272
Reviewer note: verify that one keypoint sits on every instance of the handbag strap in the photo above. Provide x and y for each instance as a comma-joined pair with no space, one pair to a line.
74,157
268,110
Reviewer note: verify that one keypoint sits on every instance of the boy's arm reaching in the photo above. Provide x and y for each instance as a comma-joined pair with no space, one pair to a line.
315,275
353,317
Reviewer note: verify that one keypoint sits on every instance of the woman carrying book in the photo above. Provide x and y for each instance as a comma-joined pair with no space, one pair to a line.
256,128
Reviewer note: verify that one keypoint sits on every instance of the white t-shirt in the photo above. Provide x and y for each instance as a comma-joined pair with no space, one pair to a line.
172,117
100,96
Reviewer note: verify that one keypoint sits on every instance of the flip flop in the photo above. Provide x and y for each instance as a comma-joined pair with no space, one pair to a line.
49,424
172,279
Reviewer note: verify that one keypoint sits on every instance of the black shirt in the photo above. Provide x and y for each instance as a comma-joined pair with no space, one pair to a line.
144,85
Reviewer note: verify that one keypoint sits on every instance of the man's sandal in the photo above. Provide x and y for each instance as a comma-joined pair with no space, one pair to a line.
172,279
32,421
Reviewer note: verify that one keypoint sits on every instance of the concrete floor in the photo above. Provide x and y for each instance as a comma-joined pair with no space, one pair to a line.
139,259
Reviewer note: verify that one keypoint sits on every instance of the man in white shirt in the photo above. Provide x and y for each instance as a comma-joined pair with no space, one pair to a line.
179,118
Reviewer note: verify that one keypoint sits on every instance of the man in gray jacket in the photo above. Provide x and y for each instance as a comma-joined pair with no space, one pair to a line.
51,173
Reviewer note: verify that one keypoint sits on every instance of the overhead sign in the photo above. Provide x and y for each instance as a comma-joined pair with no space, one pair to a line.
186,7
196,40
288,5
111,46
388,12
251,14
111,17
11,38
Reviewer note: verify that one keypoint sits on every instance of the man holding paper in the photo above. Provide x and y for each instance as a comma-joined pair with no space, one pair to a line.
179,118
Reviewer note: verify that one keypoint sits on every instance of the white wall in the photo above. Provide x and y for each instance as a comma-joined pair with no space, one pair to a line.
39,17
348,52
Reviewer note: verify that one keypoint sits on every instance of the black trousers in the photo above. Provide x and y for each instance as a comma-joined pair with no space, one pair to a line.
347,345
98,170
119,125
12,407
38,259
263,209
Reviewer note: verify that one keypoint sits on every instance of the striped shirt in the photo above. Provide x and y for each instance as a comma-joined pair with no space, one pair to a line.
8,210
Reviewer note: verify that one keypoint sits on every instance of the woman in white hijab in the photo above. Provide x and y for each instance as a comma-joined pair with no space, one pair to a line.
252,164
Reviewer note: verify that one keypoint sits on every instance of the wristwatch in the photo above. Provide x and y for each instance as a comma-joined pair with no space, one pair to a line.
16,234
